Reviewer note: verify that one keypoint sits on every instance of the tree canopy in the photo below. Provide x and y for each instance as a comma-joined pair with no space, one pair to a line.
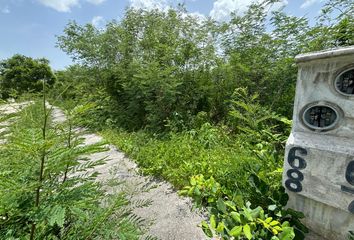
159,66
20,74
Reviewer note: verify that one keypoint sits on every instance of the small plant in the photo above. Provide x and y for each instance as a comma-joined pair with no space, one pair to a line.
46,190
246,223
230,218
202,191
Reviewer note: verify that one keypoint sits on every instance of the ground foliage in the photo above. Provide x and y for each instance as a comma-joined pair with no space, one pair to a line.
46,191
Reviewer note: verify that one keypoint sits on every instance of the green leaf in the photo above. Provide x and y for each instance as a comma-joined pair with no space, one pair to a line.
191,191
285,224
196,191
221,227
206,229
221,205
294,213
193,182
212,221
255,213
268,220
287,234
231,205
274,223
247,231
248,214
57,216
272,207
236,231
236,216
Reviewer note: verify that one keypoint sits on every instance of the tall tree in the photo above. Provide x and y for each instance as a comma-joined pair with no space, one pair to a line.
155,64
20,74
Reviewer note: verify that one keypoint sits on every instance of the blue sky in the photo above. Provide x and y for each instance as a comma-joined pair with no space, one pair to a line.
30,27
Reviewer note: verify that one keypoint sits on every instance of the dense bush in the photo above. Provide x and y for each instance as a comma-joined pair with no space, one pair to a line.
161,67
20,74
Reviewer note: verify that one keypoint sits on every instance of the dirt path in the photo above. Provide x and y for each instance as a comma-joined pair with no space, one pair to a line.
169,215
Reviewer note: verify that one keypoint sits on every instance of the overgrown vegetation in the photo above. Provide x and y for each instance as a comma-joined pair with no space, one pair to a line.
196,99
46,191
203,104
20,74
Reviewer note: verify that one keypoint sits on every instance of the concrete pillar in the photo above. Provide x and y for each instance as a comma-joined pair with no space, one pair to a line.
319,157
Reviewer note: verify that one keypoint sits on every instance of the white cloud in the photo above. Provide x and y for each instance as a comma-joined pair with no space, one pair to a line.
96,2
60,5
66,5
222,8
5,10
163,5
309,3
97,21
149,4
197,15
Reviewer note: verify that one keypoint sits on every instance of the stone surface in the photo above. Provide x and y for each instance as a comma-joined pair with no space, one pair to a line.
12,107
314,236
317,161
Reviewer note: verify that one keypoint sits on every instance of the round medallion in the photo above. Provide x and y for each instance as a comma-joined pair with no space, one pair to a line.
344,83
320,117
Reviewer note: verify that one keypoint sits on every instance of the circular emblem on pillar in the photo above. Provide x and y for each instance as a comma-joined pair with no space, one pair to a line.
320,116
344,83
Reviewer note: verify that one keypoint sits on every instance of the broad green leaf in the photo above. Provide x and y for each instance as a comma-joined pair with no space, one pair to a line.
247,231
231,205
256,212
213,221
193,181
248,214
236,216
272,207
221,205
221,227
196,191
287,234
236,231
274,222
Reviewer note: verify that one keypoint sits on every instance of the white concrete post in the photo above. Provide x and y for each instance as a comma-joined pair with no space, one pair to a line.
319,157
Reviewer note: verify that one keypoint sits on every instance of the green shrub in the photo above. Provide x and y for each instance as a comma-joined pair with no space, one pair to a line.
230,218
246,223
179,156
45,191
20,74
